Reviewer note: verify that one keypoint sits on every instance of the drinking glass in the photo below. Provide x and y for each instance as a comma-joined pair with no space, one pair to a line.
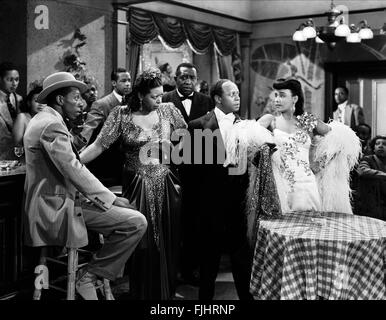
19,151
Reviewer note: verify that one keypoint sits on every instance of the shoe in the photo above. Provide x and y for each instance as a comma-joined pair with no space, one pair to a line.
85,285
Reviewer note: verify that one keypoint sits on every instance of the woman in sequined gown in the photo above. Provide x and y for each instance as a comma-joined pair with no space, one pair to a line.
295,181
148,183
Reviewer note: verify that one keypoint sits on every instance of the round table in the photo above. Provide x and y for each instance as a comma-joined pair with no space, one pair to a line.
309,255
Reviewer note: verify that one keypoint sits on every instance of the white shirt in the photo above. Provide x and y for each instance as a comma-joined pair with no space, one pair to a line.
187,103
118,96
342,108
225,122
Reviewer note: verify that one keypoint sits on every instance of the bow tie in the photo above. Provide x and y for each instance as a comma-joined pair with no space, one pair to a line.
184,98
228,117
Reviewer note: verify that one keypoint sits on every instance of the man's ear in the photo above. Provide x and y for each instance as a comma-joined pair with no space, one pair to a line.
217,99
113,83
59,100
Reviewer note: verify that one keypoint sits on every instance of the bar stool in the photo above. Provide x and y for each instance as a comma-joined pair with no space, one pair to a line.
69,257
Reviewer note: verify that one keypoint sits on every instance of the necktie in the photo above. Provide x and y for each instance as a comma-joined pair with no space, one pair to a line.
352,122
12,110
184,98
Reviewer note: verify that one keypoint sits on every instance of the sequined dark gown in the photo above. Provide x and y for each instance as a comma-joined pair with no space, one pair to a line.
155,189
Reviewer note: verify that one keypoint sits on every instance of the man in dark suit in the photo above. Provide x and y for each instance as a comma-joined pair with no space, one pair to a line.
107,167
221,195
192,106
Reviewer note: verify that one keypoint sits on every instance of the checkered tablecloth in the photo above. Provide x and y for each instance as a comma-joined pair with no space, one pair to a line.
330,255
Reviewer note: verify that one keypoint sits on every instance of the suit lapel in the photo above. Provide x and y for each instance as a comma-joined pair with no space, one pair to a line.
113,101
212,124
195,106
347,114
177,102
4,113
57,114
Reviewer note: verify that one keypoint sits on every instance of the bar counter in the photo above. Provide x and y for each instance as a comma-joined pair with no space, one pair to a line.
11,260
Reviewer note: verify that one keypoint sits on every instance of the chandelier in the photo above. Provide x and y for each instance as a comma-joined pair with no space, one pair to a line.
335,31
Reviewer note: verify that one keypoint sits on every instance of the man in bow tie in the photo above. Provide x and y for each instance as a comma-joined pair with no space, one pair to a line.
221,197
192,106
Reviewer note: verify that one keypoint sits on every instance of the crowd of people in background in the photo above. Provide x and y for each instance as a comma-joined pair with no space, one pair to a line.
178,226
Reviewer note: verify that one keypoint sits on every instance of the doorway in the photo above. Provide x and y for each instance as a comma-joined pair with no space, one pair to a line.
366,82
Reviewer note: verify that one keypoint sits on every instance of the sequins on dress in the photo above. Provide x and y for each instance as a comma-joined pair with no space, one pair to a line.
155,189
294,169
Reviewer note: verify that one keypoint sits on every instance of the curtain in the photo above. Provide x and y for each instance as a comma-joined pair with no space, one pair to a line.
132,59
145,26
230,66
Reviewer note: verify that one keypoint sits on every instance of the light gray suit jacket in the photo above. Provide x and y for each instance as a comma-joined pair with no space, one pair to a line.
53,176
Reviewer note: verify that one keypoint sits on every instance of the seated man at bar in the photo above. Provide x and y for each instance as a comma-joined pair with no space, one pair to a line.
62,197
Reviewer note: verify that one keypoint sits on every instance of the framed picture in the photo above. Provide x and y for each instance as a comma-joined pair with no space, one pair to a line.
156,53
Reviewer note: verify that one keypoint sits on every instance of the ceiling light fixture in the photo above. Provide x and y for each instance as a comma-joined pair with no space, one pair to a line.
335,31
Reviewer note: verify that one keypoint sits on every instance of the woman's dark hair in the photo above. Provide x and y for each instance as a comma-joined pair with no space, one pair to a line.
374,140
26,105
164,67
363,125
147,80
296,90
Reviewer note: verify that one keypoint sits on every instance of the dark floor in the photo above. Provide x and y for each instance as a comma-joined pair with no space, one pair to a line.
225,289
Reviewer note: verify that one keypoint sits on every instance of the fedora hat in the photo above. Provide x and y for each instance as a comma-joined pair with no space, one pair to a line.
59,80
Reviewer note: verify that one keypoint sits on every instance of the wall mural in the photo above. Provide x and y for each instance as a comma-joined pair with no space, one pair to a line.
71,60
281,57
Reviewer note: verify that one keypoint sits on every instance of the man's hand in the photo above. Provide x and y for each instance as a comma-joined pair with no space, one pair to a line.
124,203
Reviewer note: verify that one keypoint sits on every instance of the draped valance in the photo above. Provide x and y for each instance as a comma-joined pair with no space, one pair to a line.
146,26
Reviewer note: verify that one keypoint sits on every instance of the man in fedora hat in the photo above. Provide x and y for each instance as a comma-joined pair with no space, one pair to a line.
62,197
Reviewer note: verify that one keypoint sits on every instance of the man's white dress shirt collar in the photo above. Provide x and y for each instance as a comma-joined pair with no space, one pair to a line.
118,96
225,122
187,103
